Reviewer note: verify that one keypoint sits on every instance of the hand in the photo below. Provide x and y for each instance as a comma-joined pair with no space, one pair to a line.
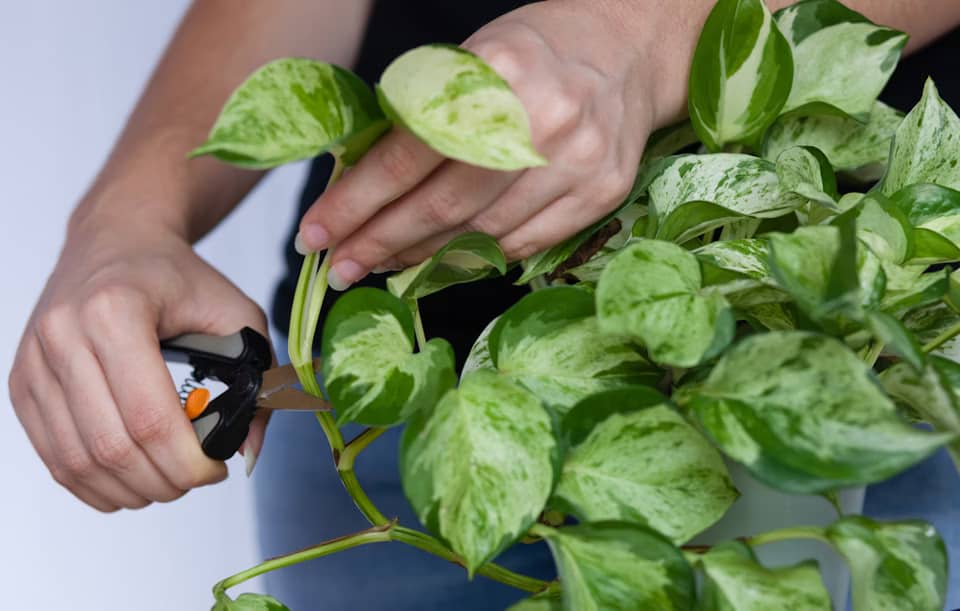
587,83
89,383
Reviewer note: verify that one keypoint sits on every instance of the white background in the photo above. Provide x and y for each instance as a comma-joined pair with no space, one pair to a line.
70,73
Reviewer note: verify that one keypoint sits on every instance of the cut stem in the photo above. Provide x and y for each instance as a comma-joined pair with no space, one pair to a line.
418,324
942,338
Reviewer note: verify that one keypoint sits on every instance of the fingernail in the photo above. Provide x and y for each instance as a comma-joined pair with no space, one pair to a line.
315,237
343,274
300,246
250,458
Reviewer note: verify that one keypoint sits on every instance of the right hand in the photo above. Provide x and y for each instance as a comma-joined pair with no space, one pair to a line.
89,383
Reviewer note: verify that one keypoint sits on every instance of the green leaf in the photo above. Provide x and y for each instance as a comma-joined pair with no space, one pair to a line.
669,141
249,602
634,458
741,76
842,60
851,146
706,191
805,171
743,258
550,343
894,565
931,209
613,565
896,337
735,581
908,290
455,103
883,227
929,322
653,292
537,604
488,439
293,109
372,375
465,258
479,356
926,146
805,415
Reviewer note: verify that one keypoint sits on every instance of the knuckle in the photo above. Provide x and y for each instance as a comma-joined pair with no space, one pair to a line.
613,187
441,208
72,467
504,58
16,386
398,161
111,450
107,303
589,147
54,324
561,112
149,426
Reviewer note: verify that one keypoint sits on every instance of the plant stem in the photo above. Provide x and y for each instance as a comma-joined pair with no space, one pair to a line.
360,498
873,353
942,338
357,445
418,324
538,282
794,532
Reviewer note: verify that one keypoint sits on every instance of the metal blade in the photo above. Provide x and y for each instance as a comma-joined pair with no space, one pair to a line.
293,399
280,377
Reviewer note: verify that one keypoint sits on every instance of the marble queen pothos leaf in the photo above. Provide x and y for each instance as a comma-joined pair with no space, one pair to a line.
550,343
934,213
615,565
842,59
293,109
899,566
459,106
805,415
741,75
465,258
632,457
479,468
371,373
653,292
735,581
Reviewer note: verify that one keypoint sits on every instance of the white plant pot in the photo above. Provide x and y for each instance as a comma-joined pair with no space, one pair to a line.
761,508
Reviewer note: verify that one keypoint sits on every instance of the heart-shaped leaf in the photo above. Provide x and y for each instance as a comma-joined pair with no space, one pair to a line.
805,415
735,581
926,146
465,258
934,213
550,342
371,374
741,76
821,32
805,171
615,565
895,565
459,106
653,292
293,109
883,227
633,458
488,439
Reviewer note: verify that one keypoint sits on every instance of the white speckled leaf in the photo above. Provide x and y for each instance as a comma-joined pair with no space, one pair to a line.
896,566
746,258
842,60
883,227
741,74
806,172
479,356
653,292
370,371
465,258
805,415
550,342
926,148
293,109
851,146
459,106
739,269
632,457
614,565
934,213
935,318
735,581
480,467
908,288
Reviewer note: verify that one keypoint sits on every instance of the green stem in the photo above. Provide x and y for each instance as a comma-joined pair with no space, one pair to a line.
418,324
816,533
357,445
538,282
360,498
873,353
942,338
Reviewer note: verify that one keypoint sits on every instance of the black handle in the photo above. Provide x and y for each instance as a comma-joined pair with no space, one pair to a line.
238,361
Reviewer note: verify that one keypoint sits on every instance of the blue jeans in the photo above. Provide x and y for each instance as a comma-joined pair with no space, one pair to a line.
300,502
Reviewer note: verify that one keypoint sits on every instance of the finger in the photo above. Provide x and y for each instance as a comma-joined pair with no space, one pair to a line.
560,220
449,197
72,464
396,164
253,444
149,406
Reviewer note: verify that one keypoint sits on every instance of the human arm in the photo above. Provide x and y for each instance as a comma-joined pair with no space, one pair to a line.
88,383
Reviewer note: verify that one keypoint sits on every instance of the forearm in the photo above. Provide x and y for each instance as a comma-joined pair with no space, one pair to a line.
219,43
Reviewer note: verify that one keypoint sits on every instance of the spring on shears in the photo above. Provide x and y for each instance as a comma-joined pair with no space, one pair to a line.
188,386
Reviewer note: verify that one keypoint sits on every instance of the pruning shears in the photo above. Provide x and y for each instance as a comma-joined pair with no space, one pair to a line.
242,362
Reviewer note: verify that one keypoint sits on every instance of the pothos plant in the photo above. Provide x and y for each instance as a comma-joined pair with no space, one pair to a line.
780,298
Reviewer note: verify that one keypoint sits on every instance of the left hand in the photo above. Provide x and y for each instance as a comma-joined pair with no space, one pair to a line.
586,78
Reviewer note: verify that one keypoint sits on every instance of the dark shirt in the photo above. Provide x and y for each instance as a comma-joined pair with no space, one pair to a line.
460,312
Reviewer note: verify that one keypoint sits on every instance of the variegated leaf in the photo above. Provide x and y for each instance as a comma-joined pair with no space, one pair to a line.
736,581
805,171
653,292
930,322
805,415
550,343
576,269
851,146
455,103
293,109
479,356
739,270
898,566
741,75
488,439
926,146
371,374
632,457
934,213
883,227
909,288
615,565
706,191
465,258
669,141
821,32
